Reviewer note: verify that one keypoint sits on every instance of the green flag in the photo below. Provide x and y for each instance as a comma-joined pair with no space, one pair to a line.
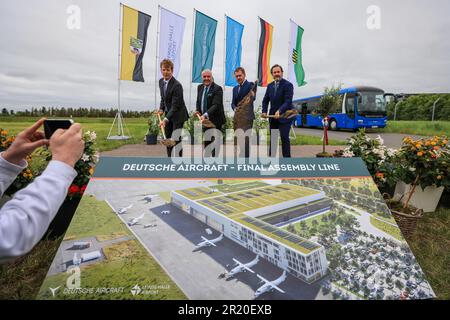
296,71
204,45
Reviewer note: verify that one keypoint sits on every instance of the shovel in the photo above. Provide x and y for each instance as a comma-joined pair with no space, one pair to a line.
207,124
287,115
166,142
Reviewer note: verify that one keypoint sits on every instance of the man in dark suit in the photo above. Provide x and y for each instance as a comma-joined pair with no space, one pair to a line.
210,104
279,94
243,117
172,104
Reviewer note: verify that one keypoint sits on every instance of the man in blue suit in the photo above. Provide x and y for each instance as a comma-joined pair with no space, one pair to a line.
244,114
279,94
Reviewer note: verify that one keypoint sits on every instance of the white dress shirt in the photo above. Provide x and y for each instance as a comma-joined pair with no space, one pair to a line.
26,217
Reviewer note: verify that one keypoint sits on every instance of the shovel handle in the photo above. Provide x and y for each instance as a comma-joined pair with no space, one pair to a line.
162,128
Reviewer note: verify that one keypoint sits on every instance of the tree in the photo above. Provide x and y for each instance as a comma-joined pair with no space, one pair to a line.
330,100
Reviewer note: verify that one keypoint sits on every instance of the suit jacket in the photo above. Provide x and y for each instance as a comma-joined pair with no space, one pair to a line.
281,101
239,95
173,102
214,105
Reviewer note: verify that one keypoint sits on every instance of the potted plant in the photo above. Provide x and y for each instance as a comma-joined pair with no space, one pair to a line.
423,168
153,130
192,126
259,123
330,99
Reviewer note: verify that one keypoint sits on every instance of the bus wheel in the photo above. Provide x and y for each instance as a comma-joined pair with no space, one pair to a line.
333,125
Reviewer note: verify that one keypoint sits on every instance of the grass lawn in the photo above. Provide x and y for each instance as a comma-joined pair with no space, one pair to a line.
430,245
136,126
422,128
93,218
389,229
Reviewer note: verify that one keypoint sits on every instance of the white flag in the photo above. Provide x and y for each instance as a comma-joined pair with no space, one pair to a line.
171,38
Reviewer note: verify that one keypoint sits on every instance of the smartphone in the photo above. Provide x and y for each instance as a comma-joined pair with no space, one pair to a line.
50,126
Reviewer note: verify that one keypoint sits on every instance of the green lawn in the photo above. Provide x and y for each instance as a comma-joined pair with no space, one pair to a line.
389,229
95,218
136,126
422,128
430,245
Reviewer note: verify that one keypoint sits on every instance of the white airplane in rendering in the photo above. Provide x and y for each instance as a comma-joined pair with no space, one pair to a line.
135,221
124,210
209,243
150,197
270,285
242,267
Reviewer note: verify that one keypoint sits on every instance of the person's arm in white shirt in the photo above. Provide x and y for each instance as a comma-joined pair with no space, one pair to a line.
26,218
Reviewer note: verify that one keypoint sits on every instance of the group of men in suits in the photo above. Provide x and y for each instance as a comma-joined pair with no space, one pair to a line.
209,106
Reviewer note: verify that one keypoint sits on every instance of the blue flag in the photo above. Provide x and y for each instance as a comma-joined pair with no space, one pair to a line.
204,45
233,51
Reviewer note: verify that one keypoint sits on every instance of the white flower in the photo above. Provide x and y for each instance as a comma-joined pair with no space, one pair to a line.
348,154
85,157
92,135
391,152
412,169
380,140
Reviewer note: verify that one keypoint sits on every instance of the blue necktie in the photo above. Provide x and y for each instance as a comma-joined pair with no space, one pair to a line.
205,100
276,87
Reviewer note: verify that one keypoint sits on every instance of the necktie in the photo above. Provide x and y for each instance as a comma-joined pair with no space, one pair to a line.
165,87
276,87
205,100
239,89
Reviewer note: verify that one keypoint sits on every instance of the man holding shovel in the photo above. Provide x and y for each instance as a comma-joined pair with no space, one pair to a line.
210,106
172,105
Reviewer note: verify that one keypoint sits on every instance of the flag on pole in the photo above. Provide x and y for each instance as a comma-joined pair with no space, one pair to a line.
171,38
204,45
233,50
134,38
296,71
265,50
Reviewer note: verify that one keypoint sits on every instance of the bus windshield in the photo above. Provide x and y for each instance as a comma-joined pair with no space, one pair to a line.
372,103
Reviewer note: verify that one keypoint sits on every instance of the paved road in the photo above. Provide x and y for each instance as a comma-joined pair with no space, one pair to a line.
391,140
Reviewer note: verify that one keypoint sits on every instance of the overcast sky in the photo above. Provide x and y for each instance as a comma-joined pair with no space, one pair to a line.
43,63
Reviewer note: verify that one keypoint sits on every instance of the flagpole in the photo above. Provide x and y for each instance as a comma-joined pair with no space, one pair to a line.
289,49
118,115
192,59
257,48
225,23
119,84
157,55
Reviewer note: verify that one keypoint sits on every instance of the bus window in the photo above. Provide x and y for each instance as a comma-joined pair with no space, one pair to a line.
350,106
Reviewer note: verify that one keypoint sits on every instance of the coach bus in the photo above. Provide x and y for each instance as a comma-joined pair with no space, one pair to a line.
362,107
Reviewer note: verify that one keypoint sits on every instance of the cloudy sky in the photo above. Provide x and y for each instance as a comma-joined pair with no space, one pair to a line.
43,63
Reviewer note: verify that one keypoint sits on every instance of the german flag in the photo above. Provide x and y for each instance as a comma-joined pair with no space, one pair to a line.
134,38
265,49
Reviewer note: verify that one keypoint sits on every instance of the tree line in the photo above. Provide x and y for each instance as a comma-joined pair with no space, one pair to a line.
74,112
420,107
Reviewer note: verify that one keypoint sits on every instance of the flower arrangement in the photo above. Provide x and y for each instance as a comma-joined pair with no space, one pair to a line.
424,162
375,154
26,176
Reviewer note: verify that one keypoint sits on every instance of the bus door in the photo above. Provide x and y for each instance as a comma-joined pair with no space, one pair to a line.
304,113
350,111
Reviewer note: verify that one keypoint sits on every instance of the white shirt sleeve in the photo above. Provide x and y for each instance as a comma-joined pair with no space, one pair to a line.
9,172
25,218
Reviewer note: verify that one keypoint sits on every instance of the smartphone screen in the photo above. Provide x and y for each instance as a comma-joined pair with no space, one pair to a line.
50,126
